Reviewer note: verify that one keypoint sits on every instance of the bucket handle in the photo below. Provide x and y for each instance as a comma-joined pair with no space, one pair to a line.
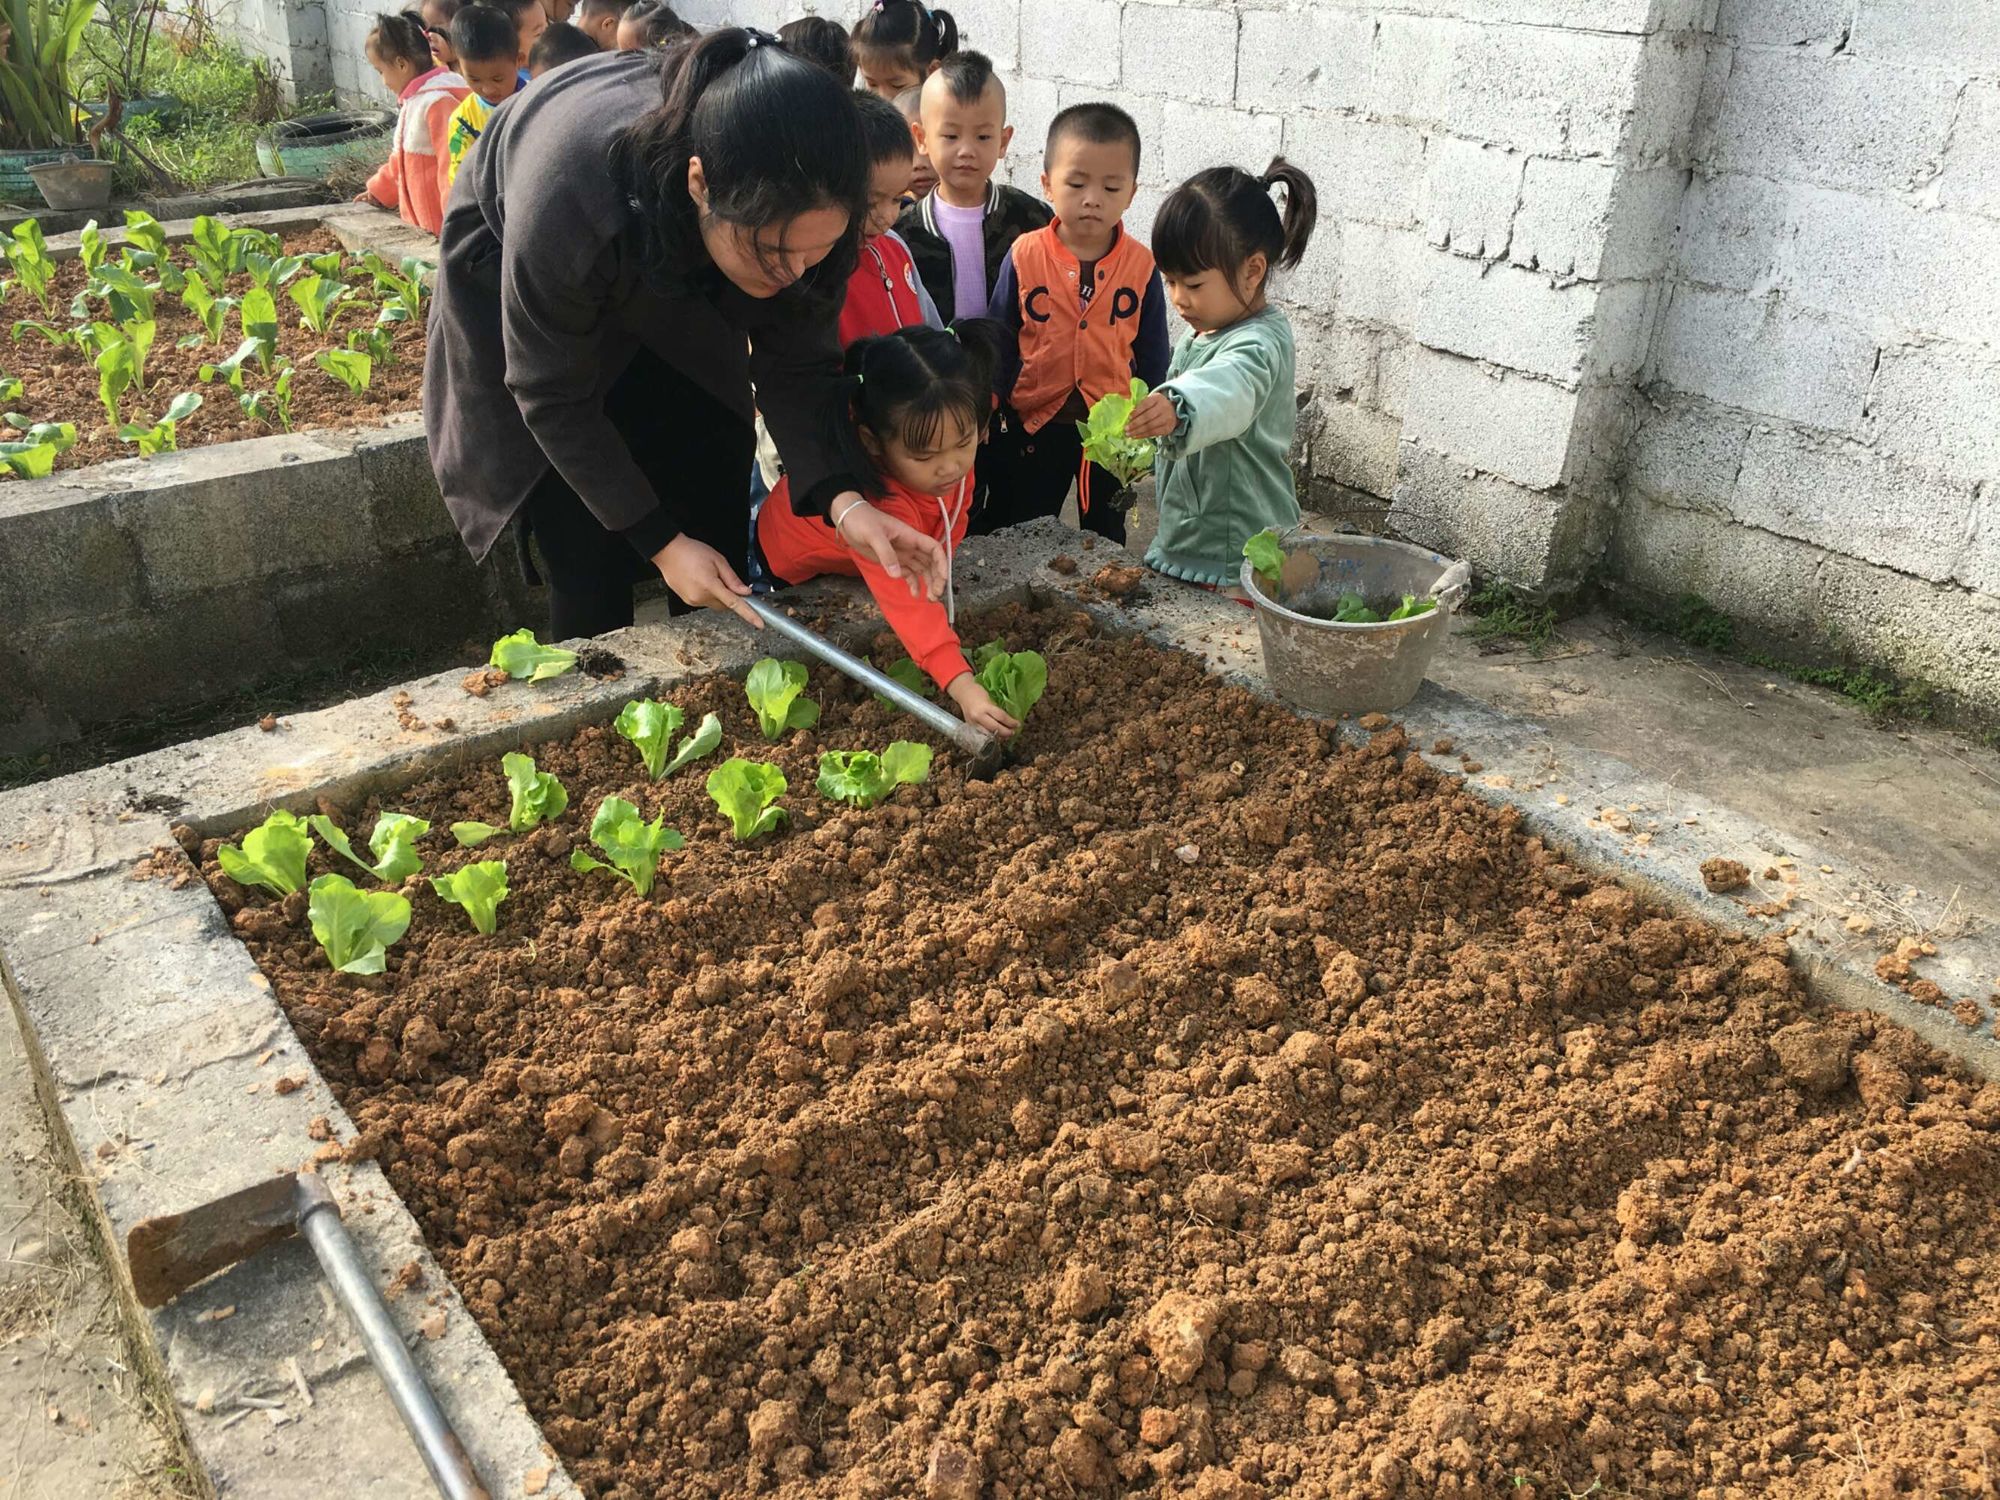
1452,586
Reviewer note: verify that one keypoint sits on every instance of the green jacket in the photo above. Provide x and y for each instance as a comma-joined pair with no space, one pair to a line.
1223,476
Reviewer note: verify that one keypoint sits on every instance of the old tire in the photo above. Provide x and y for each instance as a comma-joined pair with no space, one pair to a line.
313,145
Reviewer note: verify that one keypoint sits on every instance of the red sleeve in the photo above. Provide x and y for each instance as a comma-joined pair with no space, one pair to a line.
919,623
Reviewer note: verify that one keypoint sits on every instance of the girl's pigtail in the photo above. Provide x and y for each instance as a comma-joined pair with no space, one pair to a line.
401,34
945,31
982,339
1301,209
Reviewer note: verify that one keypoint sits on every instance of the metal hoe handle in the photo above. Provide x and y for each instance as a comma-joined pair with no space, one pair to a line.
444,1455
970,738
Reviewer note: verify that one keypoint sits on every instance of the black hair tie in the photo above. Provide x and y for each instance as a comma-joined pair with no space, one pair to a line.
758,38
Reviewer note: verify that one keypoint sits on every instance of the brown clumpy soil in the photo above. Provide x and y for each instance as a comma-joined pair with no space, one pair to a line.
1199,1109
61,384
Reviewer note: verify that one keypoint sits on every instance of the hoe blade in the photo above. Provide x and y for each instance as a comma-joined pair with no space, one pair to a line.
173,1252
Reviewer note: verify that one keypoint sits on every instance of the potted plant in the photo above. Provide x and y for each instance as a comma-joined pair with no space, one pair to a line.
39,40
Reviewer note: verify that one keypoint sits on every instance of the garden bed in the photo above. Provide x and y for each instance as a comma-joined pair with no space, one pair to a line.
1198,1106
61,384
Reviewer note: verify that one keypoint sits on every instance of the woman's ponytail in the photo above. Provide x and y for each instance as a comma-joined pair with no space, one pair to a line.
1301,209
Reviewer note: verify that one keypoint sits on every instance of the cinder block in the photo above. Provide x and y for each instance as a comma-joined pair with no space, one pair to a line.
1031,105
1335,358
1635,16
1868,257
63,556
1621,335
1532,538
1836,121
401,493
1393,359
1979,564
1148,112
1934,633
1297,60
1352,445
1939,405
1732,230
1848,500
1180,51
989,26
1361,169
1505,424
1761,355
1755,576
1196,136
1470,195
1054,51
1506,315
1686,454
1673,70
1565,218
1949,34
1821,24
1544,91
1970,181
1409,67
1381,272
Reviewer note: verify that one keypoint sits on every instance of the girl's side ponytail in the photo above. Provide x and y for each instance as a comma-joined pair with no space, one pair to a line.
945,34
401,34
1301,209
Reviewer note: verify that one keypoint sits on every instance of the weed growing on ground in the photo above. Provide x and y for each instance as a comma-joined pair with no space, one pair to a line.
1502,614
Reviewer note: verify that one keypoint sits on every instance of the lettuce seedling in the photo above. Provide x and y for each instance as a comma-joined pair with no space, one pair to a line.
471,835
319,299
327,264
272,271
1411,607
909,674
986,653
747,791
861,778
356,927
479,888
393,843
773,688
1104,440
537,795
1354,610
161,436
11,389
231,369
121,364
633,845
1266,556
272,407
352,370
129,296
145,232
273,855
402,288
259,312
34,454
521,657
379,344
91,248
208,309
707,735
650,726
1015,680
28,258
213,251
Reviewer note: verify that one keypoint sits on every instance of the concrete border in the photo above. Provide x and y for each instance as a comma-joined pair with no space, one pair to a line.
148,1025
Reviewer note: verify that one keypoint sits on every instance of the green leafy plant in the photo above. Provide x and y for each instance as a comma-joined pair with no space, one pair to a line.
1266,555
1015,680
215,253
272,856
356,927
59,338
128,295
121,363
11,388
393,843
259,312
633,845
28,258
273,407
1104,439
650,726
209,309
479,888
144,232
379,344
909,674
747,791
91,248
327,264
537,797
1411,607
707,735
161,436
272,271
521,657
862,778
318,298
1353,610
33,455
773,688
402,287
352,370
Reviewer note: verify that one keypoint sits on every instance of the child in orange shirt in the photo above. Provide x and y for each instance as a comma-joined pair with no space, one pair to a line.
921,400
413,181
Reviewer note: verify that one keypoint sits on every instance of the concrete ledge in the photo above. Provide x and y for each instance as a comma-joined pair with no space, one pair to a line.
149,1024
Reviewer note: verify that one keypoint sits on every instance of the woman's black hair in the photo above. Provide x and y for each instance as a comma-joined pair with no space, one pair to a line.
777,138
909,28
884,129
821,41
480,33
1218,219
910,384
401,34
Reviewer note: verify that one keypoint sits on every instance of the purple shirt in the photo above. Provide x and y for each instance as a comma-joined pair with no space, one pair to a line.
964,229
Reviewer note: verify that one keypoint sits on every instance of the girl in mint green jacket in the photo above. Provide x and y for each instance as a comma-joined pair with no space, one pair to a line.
1226,414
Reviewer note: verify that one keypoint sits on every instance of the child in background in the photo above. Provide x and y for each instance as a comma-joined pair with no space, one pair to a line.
437,16
900,43
1088,313
821,41
922,178
1226,413
964,229
531,19
412,181
598,20
487,42
561,43
920,402
650,23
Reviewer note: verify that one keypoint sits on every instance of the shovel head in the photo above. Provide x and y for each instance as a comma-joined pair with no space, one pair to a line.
173,1252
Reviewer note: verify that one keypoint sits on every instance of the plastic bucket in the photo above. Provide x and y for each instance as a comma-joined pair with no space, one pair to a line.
16,186
74,184
315,144
1328,668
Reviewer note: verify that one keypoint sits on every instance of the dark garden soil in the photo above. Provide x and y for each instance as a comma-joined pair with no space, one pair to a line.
1199,1109
61,384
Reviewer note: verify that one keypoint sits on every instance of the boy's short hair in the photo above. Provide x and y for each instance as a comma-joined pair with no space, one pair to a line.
515,7
603,7
818,40
910,103
561,43
884,130
480,33
967,75
1099,124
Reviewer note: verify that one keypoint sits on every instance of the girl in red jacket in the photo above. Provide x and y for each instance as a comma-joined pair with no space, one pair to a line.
412,180
920,404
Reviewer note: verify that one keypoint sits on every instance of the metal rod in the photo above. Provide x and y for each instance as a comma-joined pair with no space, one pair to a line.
444,1455
970,738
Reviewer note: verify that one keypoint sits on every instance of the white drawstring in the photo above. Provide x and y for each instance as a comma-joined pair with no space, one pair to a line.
950,519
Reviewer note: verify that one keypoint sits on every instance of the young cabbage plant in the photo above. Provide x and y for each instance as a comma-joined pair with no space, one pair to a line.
121,364
352,370
862,778
129,296
11,389
327,264
479,888
650,726
1105,443
773,688
28,258
402,288
231,369
210,310
356,927
909,674
272,856
33,455
272,271
537,795
393,843
1411,607
379,344
91,248
59,338
319,299
144,232
272,407
161,436
213,251
747,791
1015,680
259,312
1266,556
631,844
522,658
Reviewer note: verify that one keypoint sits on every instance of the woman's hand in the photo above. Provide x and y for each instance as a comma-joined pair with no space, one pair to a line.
1155,417
903,551
702,577
977,708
